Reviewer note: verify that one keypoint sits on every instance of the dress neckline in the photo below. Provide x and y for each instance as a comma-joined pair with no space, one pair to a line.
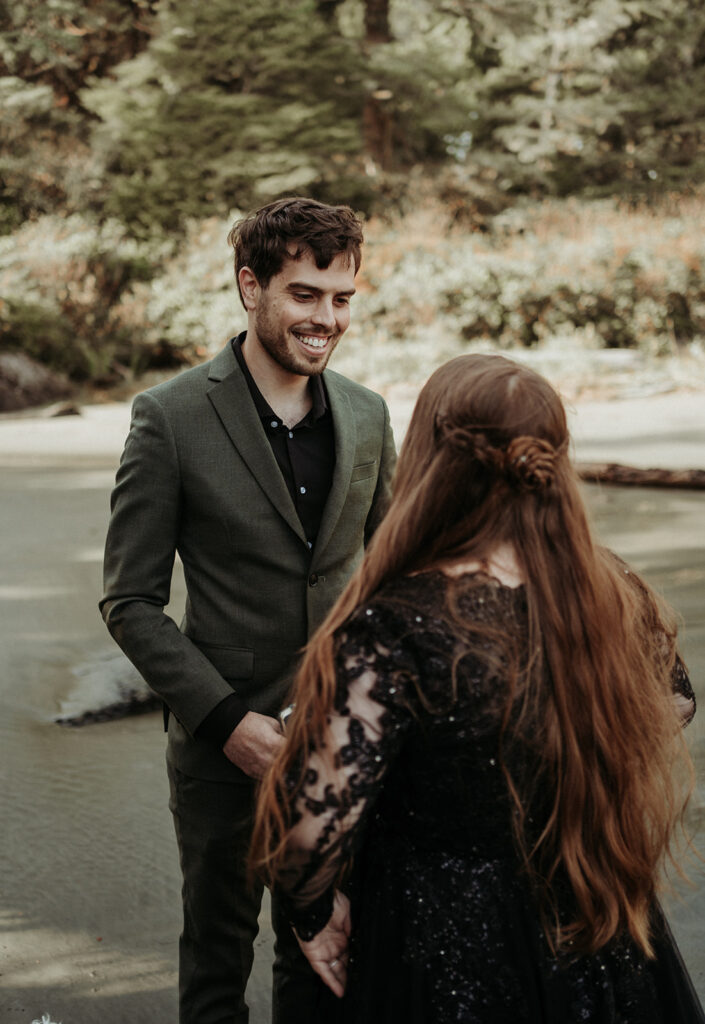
481,574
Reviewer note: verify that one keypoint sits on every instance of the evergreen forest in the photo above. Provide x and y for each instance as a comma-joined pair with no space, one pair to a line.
528,170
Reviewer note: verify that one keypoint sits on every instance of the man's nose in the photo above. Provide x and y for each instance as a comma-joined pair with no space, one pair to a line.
324,315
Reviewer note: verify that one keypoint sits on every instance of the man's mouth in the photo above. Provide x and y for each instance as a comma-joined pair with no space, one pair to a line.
312,340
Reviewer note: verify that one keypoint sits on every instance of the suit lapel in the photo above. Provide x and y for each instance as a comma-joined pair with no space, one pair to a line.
233,404
345,431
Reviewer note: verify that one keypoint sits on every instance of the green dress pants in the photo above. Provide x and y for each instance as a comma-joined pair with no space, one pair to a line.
213,823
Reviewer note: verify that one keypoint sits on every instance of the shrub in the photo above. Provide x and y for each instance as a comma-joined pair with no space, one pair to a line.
64,281
569,275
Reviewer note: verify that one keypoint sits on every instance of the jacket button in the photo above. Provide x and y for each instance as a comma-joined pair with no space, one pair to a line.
313,579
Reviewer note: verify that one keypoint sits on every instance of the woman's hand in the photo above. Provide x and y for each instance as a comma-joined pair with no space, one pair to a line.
327,952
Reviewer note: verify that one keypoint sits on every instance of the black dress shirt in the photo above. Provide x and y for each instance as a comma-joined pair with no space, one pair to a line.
305,455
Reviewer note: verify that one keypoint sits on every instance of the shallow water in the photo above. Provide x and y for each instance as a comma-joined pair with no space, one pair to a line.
90,907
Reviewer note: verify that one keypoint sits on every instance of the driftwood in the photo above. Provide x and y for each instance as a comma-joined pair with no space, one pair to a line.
630,476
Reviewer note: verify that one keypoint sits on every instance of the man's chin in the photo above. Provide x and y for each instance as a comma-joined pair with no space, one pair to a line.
317,370
312,366
304,369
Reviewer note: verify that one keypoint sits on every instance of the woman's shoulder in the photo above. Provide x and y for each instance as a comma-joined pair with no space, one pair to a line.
434,601
399,601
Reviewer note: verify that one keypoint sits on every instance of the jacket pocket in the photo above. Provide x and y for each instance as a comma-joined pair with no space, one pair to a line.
363,471
231,662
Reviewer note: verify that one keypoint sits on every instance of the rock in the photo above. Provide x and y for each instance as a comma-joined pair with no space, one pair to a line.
106,687
61,409
25,383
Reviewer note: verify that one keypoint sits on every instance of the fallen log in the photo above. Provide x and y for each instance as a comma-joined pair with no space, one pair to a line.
630,476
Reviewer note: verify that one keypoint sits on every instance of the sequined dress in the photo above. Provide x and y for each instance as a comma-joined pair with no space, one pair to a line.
445,928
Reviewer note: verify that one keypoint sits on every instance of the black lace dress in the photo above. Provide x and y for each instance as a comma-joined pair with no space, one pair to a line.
444,926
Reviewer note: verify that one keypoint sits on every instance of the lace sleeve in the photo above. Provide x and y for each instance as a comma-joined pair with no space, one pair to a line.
683,692
342,778
665,642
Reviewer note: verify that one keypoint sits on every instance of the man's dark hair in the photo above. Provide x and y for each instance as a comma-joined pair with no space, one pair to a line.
265,239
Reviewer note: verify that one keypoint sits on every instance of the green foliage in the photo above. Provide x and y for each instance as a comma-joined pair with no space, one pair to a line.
43,160
229,108
199,108
419,83
64,283
598,96
234,105
47,51
41,332
60,43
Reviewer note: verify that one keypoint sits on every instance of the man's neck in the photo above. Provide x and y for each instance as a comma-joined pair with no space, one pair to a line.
288,394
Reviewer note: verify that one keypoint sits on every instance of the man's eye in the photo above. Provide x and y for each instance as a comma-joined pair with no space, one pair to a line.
343,300
303,296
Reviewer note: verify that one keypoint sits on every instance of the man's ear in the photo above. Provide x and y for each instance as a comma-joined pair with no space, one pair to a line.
249,287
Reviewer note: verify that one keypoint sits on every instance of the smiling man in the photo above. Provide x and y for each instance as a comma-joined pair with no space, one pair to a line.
267,473
299,317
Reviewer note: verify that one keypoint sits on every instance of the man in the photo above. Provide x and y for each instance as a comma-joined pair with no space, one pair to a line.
267,473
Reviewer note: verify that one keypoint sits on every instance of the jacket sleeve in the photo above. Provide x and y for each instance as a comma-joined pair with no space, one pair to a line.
146,508
388,459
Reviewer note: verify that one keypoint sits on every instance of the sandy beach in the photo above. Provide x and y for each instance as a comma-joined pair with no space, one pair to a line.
90,908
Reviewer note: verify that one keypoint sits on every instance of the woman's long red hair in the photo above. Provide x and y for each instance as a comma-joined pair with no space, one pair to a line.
595,695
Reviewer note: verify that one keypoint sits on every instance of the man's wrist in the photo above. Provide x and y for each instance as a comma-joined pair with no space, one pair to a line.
219,724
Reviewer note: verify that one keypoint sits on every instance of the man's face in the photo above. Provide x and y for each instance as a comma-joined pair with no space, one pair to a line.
303,312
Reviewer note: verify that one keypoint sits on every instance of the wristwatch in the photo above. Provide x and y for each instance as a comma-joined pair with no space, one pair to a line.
284,716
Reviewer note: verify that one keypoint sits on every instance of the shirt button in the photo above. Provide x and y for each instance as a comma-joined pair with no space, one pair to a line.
274,424
291,433
313,579
302,490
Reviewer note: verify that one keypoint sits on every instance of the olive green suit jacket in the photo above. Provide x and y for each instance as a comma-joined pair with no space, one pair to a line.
198,478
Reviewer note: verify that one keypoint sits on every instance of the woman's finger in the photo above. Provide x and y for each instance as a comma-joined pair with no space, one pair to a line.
335,976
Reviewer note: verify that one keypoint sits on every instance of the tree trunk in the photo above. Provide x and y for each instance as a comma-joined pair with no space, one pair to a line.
377,130
630,476
377,124
328,9
377,21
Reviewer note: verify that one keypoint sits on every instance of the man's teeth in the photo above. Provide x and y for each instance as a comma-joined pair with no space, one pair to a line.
312,340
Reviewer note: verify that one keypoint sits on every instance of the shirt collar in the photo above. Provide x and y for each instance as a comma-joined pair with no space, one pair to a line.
316,386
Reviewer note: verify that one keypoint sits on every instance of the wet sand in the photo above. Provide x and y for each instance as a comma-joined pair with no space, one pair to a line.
90,913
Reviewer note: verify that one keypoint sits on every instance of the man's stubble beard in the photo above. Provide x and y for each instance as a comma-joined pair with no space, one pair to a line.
280,345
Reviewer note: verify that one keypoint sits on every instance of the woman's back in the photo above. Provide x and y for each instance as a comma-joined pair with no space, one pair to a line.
448,766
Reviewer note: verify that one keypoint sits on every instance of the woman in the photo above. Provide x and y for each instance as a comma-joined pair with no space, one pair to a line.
489,721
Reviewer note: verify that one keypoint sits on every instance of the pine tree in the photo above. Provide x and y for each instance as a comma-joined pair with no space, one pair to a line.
588,95
417,61
231,105
47,52
61,43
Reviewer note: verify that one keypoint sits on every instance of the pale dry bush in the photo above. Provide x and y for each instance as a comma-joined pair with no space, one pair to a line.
550,278
554,279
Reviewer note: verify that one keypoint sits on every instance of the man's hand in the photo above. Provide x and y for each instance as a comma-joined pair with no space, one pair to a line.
253,743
